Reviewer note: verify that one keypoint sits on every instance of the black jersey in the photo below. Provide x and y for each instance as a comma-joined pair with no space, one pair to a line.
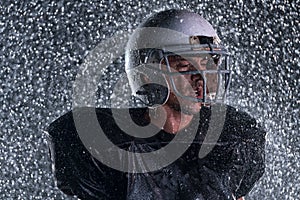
231,169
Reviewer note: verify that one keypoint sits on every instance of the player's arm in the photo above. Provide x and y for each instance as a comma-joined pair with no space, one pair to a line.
248,156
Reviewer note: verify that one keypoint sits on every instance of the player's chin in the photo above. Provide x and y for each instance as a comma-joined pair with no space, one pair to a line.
191,109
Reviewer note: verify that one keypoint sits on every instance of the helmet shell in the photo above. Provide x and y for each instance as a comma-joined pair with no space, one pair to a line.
166,31
182,21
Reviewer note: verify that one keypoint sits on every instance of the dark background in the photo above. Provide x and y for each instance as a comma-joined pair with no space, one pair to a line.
43,43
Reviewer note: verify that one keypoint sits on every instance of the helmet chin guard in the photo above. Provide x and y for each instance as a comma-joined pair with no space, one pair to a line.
176,33
153,94
149,85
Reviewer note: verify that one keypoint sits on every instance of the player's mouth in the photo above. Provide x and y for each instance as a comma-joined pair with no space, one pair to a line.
198,88
199,93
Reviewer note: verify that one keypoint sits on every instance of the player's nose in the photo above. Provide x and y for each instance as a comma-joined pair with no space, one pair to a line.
197,77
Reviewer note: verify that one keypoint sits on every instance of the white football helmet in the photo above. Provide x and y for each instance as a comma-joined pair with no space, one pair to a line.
181,35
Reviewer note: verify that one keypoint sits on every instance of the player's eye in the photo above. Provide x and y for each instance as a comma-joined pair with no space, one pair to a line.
215,58
183,67
212,62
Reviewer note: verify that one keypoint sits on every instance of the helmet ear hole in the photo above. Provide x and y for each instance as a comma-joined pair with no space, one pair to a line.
154,56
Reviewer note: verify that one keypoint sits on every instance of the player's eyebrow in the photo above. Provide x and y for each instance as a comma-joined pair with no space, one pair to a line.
177,58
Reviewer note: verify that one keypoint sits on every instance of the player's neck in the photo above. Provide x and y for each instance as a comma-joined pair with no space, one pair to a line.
169,120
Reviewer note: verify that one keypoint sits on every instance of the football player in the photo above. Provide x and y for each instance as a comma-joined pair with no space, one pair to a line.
179,71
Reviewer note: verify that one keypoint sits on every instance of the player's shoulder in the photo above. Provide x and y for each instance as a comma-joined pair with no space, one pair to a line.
67,121
237,115
89,116
241,123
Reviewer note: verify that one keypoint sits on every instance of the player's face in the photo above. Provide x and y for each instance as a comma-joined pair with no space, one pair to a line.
191,85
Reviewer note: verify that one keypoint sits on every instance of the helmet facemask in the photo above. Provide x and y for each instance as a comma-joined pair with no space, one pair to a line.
160,71
204,67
